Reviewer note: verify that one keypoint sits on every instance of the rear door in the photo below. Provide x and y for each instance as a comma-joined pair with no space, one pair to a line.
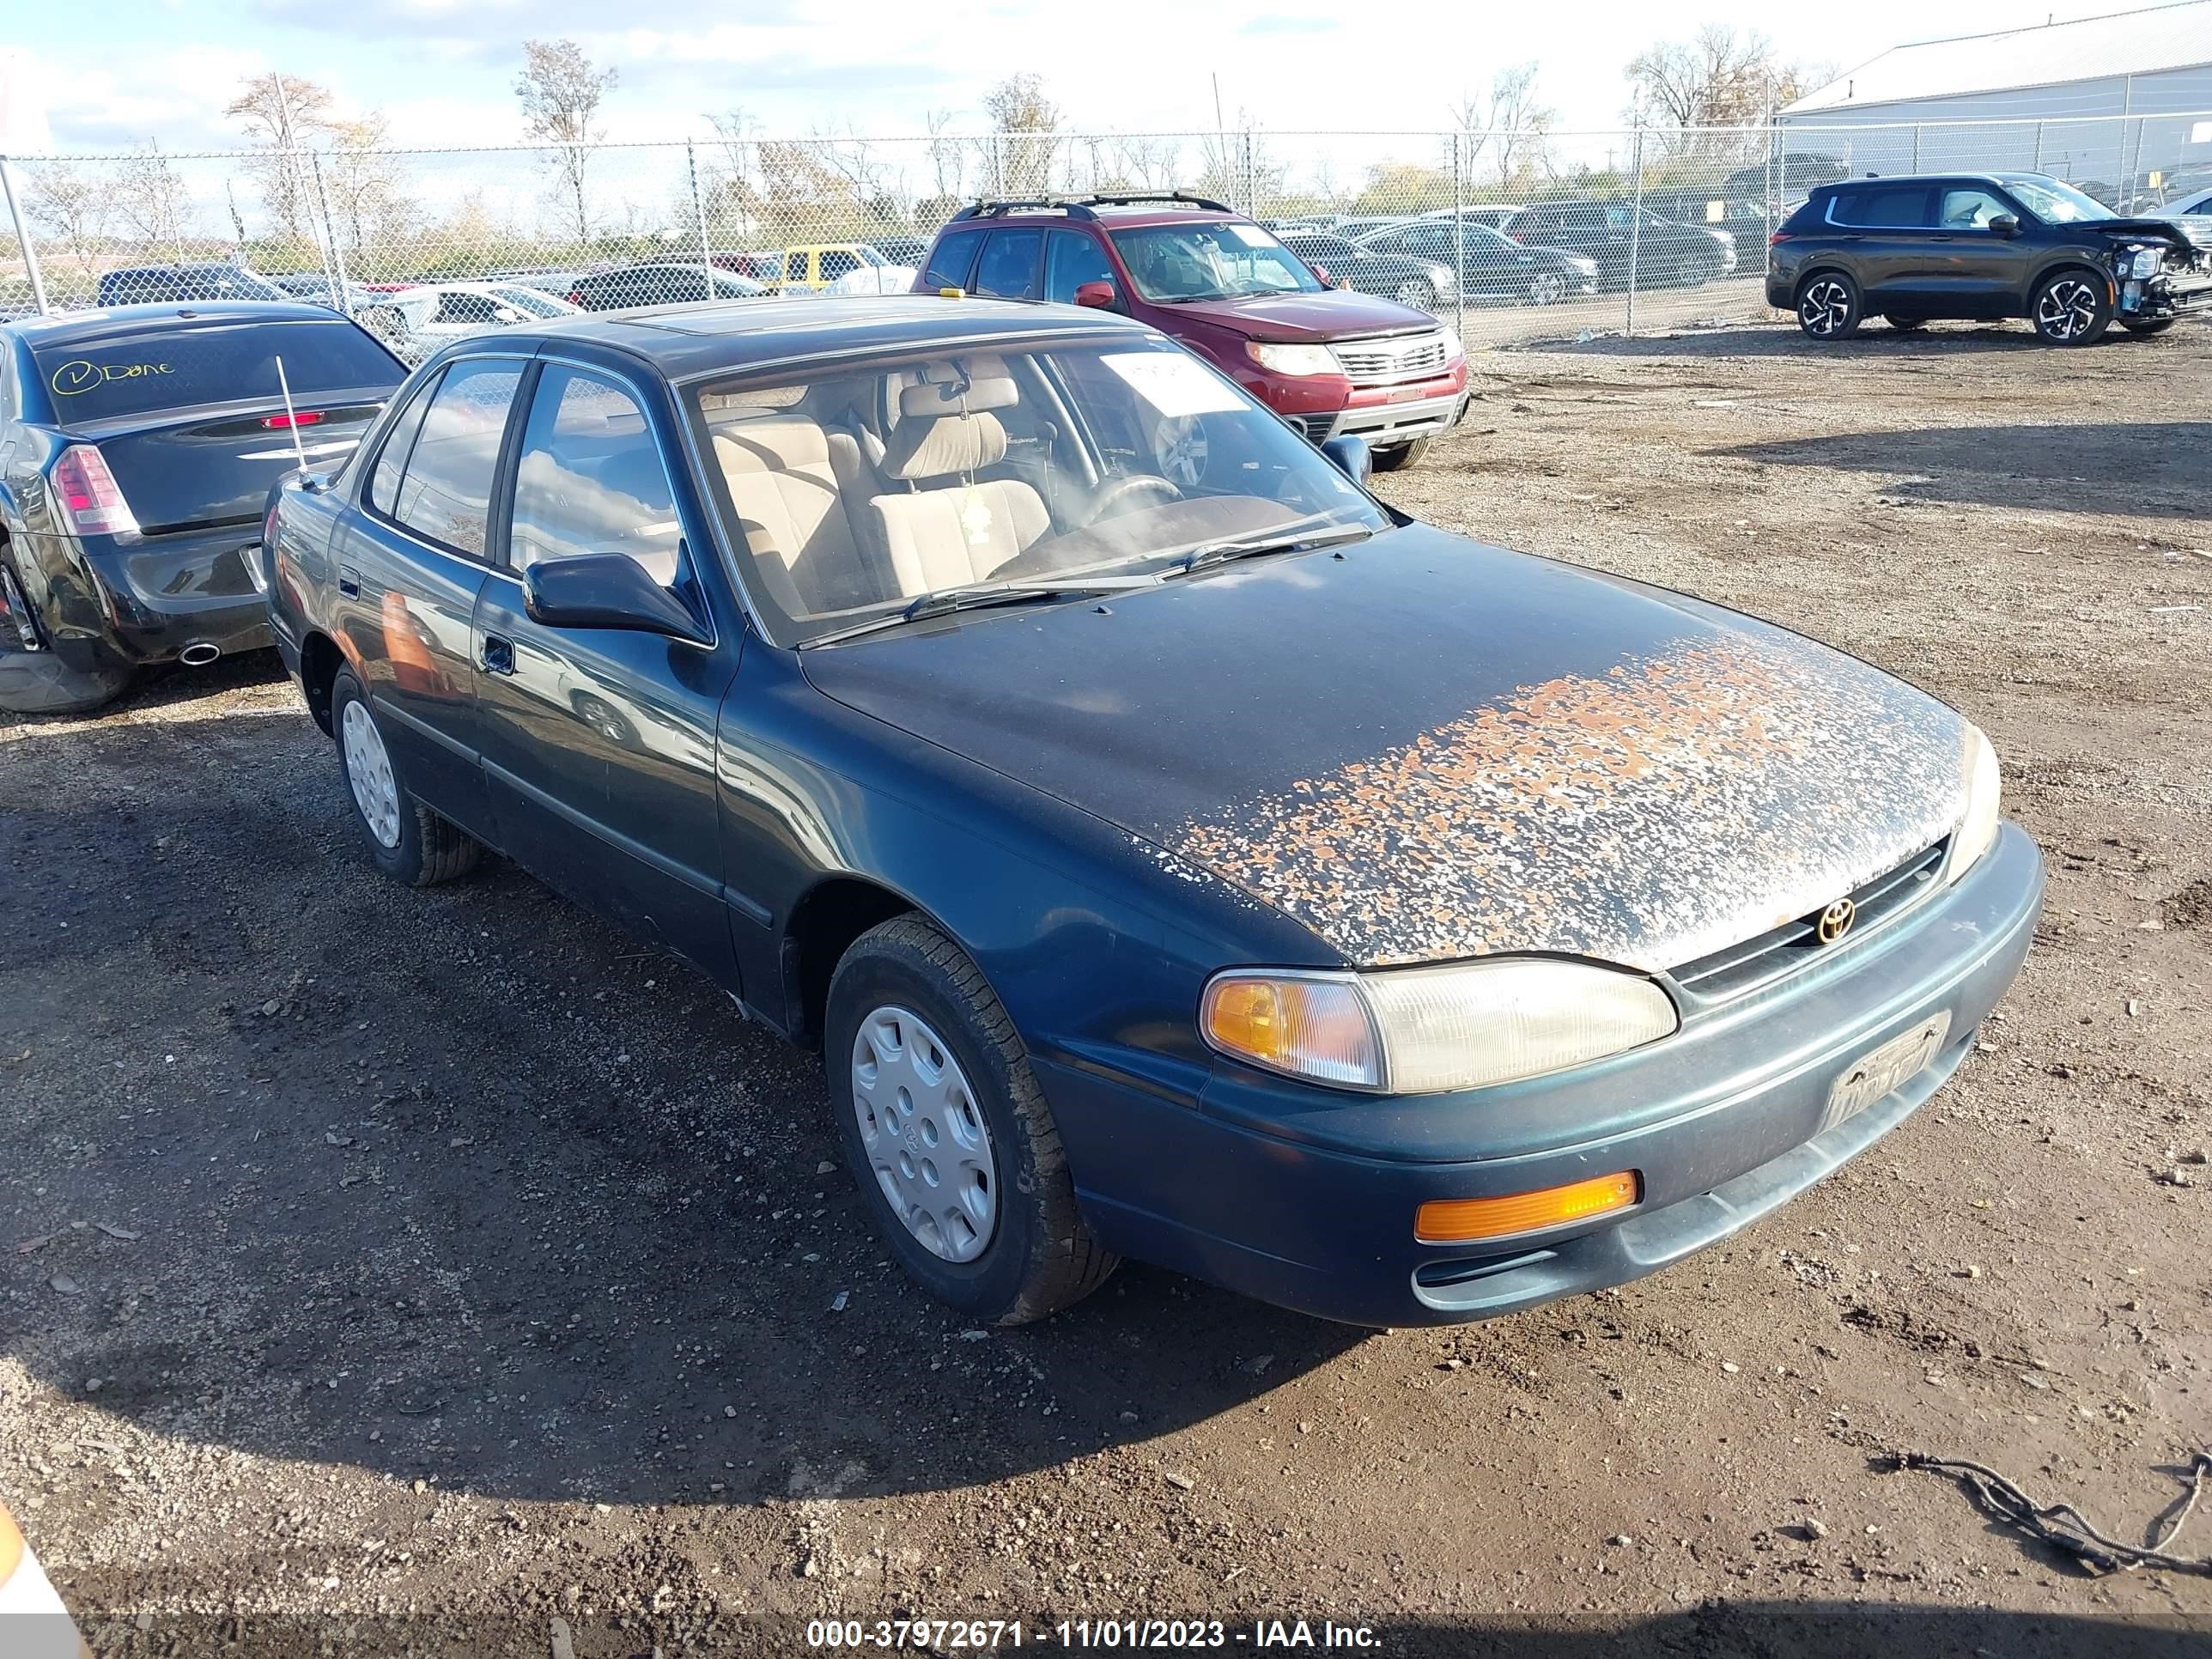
1886,233
409,566
1008,267
598,743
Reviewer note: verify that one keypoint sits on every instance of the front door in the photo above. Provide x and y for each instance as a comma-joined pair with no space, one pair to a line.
598,743
1980,272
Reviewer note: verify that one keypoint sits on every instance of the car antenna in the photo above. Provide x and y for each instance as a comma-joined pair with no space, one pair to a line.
291,420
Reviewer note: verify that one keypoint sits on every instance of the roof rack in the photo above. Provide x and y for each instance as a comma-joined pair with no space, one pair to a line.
1079,207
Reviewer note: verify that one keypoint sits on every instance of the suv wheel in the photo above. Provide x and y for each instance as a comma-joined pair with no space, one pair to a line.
947,1134
2072,308
1905,323
1547,289
1416,294
1828,306
406,840
1398,456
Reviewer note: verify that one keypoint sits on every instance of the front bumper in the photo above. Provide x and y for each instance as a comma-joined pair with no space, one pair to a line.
106,603
1384,424
2163,298
1306,1199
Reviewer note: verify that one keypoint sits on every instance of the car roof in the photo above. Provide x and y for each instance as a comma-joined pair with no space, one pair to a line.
85,327
1117,215
728,336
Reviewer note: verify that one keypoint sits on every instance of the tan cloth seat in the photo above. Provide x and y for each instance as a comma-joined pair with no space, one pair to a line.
951,535
792,513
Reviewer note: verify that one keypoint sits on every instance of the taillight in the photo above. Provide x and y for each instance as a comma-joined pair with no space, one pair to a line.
575,296
90,496
303,417
1777,239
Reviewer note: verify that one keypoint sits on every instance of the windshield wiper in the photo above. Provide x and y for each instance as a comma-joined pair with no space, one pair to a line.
979,596
1221,552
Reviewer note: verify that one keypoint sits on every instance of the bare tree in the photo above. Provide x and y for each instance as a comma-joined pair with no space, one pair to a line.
283,115
560,90
70,205
1720,78
947,155
1509,121
151,199
365,188
1026,126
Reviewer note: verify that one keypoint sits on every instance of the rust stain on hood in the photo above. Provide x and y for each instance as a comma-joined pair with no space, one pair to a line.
1686,800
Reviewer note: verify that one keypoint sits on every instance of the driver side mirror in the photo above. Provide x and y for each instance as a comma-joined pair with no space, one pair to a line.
1350,455
2005,224
607,590
1099,296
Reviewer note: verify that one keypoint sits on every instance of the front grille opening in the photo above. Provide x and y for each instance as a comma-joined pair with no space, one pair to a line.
1782,950
1465,1270
1379,362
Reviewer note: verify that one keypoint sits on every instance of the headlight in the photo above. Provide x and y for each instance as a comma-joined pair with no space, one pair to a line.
1442,280
1582,263
1292,358
2143,263
1979,827
1454,346
1419,1030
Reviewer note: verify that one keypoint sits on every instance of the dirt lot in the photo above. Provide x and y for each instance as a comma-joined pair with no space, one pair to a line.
386,1271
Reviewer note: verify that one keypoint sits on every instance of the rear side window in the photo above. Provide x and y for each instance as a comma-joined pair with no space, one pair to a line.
1884,207
591,479
1008,269
445,495
392,460
1073,259
954,257
184,368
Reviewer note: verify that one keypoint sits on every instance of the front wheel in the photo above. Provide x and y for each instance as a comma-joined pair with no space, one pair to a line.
948,1134
2149,325
1417,294
406,840
1547,289
1398,456
1828,307
2072,308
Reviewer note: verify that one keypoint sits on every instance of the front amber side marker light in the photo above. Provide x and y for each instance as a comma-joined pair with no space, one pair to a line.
1455,1221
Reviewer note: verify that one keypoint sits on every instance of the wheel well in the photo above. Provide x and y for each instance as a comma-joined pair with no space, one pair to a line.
1798,292
822,926
320,662
2074,267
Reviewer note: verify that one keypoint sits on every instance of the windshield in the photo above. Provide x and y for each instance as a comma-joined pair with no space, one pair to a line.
531,302
1215,261
859,492
2056,204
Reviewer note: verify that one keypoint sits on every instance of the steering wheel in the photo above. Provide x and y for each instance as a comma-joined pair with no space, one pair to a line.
1121,494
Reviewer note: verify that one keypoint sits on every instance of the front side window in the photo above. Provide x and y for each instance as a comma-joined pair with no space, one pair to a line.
850,496
591,479
445,493
1968,209
1214,261
2056,204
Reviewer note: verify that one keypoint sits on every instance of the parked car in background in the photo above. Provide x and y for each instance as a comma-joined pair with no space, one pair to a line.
137,448
1794,176
2193,205
1494,215
132,285
874,279
764,265
415,321
902,249
1389,927
1492,265
558,281
1664,253
1982,245
316,289
1423,284
1353,227
1330,361
658,285
810,270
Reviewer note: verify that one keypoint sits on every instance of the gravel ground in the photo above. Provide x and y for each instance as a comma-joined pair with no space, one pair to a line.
386,1271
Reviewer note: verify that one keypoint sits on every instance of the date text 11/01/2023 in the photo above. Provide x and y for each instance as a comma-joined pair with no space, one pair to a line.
945,1635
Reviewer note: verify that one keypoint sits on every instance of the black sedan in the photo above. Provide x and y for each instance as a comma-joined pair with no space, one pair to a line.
137,448
1423,284
627,286
1492,266
1171,850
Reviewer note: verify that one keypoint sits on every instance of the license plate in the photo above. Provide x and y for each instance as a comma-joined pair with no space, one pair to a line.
1884,1069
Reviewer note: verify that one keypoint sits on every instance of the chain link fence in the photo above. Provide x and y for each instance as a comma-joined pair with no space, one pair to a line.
1512,236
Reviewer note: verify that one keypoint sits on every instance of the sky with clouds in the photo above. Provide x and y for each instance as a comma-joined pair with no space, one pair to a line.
443,70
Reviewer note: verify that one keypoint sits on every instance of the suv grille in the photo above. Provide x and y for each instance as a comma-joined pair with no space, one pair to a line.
1795,945
1401,357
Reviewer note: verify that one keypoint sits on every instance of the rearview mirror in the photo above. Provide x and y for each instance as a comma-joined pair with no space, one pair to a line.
607,590
2005,224
1099,296
1350,455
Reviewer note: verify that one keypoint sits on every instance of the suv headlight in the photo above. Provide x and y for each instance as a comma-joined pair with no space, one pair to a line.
1292,358
1420,1030
1454,346
1978,829
1441,279
2143,263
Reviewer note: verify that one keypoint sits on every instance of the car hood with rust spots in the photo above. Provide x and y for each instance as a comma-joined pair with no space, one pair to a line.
1429,749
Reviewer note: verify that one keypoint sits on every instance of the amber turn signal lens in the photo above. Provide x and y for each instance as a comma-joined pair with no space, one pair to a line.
1453,1220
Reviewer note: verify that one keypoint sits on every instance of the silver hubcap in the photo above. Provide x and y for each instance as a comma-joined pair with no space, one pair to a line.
1413,294
924,1134
1546,290
2067,309
1826,307
368,770
1182,450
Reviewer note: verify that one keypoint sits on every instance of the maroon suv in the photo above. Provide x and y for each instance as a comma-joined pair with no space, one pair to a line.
1329,360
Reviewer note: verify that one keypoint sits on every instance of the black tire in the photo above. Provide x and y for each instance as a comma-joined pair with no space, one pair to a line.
1040,1256
1416,294
1905,324
429,848
1691,271
1399,456
1547,287
1828,306
2071,308
37,682
2154,326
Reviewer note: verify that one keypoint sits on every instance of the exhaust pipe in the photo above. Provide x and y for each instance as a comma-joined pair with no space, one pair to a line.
198,654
